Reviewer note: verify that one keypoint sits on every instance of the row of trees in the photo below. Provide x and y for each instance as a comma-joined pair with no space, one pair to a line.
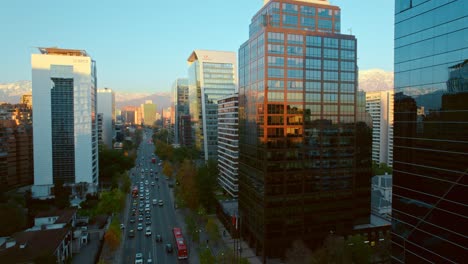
336,249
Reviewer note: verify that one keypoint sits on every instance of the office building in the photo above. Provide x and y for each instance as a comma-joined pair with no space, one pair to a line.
211,75
304,136
180,106
64,119
148,111
106,108
429,214
228,143
380,106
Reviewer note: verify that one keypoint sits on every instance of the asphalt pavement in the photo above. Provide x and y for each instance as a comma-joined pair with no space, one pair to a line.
162,217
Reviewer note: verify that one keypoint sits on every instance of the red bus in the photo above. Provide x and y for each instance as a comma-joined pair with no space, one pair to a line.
135,192
180,243
153,160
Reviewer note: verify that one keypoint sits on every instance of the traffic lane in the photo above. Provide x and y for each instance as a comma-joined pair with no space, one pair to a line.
160,226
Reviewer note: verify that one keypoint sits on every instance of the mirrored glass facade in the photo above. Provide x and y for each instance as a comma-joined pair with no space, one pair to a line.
305,139
181,108
63,136
430,201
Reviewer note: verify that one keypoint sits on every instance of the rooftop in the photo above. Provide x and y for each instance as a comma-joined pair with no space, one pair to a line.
322,2
63,52
33,244
64,216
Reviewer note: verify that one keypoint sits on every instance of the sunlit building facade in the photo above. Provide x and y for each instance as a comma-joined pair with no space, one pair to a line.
148,112
430,167
305,139
211,75
106,107
64,119
380,106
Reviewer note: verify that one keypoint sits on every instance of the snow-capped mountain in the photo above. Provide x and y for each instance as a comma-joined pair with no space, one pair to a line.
12,92
375,80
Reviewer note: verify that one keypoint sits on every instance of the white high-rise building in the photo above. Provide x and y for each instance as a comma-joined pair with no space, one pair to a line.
211,76
106,107
380,106
228,143
64,119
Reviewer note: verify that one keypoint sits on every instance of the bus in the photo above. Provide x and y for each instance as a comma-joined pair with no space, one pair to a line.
135,192
153,160
180,243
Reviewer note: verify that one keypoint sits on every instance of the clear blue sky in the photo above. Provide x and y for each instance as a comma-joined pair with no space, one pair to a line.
143,45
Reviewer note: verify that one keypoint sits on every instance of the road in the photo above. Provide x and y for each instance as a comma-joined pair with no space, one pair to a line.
162,217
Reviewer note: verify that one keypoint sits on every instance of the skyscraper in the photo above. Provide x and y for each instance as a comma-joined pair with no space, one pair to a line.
430,205
212,75
148,110
106,107
228,143
380,106
305,142
180,106
64,119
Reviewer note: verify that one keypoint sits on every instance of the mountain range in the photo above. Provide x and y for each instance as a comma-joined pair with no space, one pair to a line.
12,92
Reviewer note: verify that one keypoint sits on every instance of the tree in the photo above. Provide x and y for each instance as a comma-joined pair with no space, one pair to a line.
206,257
113,235
62,194
126,182
13,219
212,229
192,228
206,185
167,169
360,251
188,190
298,253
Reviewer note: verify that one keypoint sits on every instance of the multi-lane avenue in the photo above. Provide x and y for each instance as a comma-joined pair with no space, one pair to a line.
160,219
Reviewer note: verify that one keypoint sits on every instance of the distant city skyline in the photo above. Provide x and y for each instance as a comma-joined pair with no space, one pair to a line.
139,49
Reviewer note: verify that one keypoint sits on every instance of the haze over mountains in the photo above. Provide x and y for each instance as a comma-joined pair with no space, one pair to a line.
12,92
369,80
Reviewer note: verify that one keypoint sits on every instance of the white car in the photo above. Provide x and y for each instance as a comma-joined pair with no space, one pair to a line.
139,258
155,201
148,231
140,227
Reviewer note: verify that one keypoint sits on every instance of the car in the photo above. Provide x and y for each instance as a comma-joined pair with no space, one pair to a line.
140,227
167,178
122,226
158,238
155,201
148,222
169,248
139,258
140,219
149,260
148,231
152,183
161,203
131,233
132,220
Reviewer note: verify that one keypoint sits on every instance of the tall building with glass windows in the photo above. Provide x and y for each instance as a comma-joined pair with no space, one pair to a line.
148,111
379,105
228,143
180,107
211,75
305,140
430,164
64,120
106,108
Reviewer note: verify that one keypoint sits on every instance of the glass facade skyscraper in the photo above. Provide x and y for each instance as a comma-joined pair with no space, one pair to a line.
180,106
65,131
430,201
211,76
305,140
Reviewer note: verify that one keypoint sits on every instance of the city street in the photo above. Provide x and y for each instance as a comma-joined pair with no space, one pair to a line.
162,216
